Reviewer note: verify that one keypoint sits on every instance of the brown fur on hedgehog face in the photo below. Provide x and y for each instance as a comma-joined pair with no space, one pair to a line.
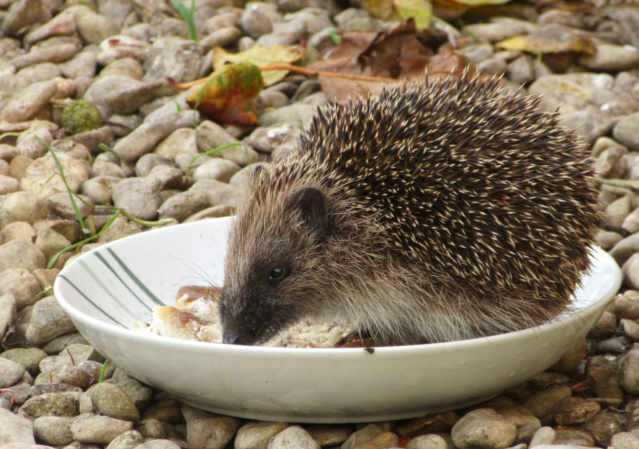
447,212
262,294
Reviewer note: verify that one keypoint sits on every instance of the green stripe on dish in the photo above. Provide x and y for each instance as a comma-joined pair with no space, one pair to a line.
107,290
112,270
89,300
135,278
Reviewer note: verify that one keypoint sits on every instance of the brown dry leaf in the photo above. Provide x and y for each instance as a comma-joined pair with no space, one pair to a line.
225,97
394,54
550,39
260,56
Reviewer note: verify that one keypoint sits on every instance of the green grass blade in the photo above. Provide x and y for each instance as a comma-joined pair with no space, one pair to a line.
188,16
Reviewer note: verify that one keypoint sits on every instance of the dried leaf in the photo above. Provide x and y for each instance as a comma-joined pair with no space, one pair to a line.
420,11
472,3
226,96
395,53
260,56
550,39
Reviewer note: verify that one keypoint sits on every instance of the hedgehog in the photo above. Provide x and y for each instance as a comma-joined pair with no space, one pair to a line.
434,212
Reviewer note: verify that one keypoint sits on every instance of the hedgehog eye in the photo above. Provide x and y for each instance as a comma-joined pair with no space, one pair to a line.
277,273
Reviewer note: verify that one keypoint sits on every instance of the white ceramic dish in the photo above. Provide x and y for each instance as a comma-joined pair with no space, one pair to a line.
105,290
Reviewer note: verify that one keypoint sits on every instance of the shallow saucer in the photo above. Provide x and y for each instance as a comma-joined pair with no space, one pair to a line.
106,290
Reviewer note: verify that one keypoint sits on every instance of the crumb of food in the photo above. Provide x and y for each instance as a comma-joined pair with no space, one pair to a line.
194,316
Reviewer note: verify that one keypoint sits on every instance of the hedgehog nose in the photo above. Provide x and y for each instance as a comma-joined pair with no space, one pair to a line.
230,338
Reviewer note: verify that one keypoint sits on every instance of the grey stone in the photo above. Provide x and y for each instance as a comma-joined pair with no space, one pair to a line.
53,430
217,169
158,444
181,141
210,136
431,441
629,371
29,102
47,322
10,372
74,354
141,141
207,430
20,254
294,437
543,436
362,436
483,428
15,429
38,179
111,401
626,131
138,196
51,404
611,58
625,440
127,440
256,435
88,428
7,312
23,206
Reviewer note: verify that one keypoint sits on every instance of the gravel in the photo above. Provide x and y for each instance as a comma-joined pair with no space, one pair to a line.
118,55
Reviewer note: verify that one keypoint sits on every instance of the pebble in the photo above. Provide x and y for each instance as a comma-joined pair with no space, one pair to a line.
74,354
167,410
207,430
15,429
70,375
611,58
47,322
210,136
20,254
431,441
51,404
30,358
7,312
294,437
543,436
111,401
158,444
141,141
267,139
10,372
127,440
626,131
483,428
362,436
256,435
152,428
37,177
29,102
625,440
21,284
138,196
527,424
629,371
184,204
603,426
23,206
53,430
89,428
575,411
180,141
217,169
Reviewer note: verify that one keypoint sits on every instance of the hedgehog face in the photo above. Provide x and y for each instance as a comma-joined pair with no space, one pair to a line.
270,265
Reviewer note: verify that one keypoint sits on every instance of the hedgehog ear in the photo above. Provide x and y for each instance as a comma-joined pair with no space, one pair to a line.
310,203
